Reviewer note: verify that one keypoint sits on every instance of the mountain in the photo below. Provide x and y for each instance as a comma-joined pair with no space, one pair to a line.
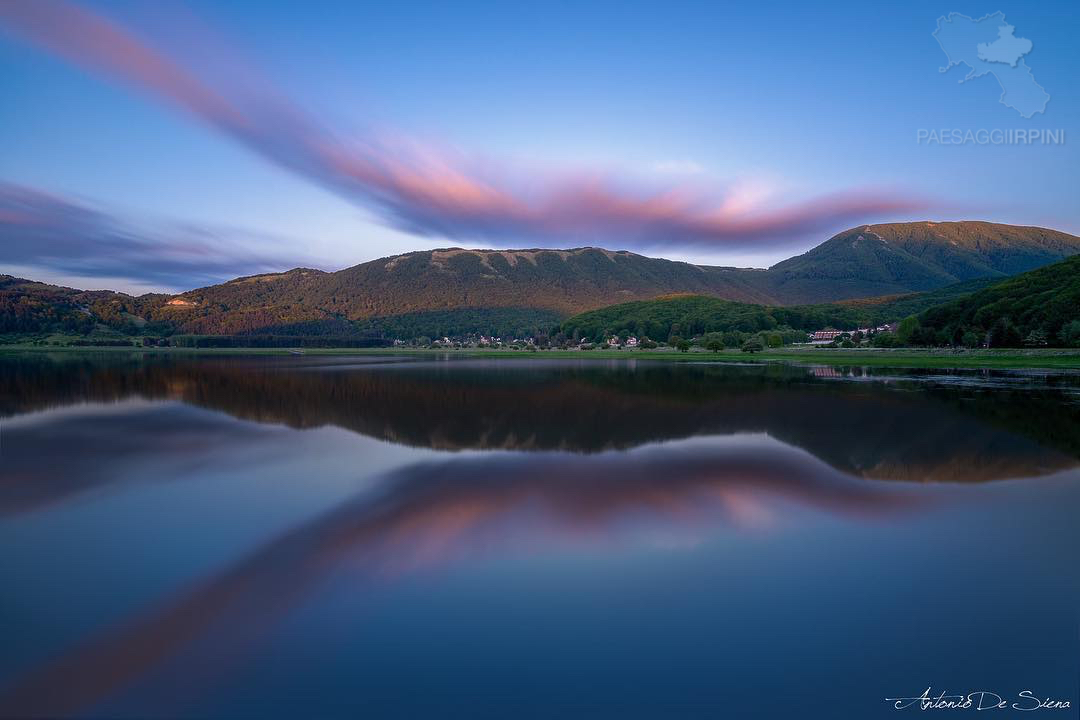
434,292
27,306
1041,307
561,282
511,291
904,257
867,261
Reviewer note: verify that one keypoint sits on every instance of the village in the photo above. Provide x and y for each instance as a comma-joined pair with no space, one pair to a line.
831,335
828,337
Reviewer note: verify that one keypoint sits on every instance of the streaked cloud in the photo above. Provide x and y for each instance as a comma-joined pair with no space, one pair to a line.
431,191
61,235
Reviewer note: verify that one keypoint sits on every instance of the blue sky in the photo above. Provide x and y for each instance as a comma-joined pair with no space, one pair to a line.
693,130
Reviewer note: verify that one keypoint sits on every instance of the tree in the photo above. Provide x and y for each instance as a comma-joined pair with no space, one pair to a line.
1070,334
1003,334
927,336
752,345
907,328
714,345
885,340
683,345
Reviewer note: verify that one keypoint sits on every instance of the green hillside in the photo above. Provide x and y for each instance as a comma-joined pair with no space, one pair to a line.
495,322
1033,309
693,315
1041,307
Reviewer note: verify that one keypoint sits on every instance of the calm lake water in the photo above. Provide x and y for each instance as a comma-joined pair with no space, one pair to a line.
326,537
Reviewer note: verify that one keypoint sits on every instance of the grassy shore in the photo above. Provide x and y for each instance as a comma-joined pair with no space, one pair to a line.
913,358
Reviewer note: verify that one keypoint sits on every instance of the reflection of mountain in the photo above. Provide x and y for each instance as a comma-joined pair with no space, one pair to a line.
903,430
433,513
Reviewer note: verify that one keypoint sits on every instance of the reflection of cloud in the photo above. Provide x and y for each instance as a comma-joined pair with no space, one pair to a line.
435,512
103,446
40,229
428,191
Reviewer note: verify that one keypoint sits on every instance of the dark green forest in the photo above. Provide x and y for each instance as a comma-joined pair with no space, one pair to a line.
694,315
1038,308
495,322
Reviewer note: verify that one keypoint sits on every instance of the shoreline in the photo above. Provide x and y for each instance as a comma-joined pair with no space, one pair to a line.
1049,359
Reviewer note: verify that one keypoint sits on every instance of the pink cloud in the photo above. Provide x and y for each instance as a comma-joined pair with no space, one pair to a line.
430,192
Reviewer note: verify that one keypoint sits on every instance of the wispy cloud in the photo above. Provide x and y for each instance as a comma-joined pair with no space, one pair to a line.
43,230
678,167
433,192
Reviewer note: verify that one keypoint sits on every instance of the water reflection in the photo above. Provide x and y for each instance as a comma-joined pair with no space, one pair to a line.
901,427
433,513
530,460
57,456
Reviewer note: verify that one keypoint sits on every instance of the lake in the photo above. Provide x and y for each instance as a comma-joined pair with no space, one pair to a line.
376,536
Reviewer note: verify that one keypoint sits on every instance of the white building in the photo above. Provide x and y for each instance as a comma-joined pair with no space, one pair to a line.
824,337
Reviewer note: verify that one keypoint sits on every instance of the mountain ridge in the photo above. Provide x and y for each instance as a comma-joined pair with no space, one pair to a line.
872,260
865,261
